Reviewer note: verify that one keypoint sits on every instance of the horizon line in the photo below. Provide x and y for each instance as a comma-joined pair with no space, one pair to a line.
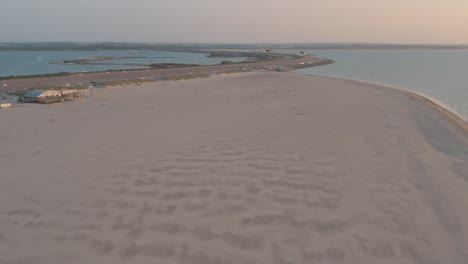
232,43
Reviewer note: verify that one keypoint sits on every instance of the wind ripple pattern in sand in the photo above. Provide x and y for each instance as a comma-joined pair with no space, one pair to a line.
239,196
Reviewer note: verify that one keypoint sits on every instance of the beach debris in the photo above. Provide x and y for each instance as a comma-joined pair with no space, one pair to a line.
5,105
96,84
8,98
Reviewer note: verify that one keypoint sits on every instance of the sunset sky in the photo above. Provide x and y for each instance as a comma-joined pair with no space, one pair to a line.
369,21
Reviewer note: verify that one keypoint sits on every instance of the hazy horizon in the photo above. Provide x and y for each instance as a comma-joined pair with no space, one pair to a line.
276,45
221,21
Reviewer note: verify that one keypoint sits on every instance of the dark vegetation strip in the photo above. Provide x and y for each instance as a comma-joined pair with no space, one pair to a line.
251,56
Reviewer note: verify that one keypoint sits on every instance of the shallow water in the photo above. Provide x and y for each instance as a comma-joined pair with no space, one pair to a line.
440,74
14,63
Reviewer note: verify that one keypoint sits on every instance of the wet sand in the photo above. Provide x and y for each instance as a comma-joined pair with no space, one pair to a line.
243,168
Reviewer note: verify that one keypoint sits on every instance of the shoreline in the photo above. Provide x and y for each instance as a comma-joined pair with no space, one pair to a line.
435,104
456,118
12,85
143,66
439,107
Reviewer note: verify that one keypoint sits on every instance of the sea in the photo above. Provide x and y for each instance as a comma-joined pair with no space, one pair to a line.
441,75
17,63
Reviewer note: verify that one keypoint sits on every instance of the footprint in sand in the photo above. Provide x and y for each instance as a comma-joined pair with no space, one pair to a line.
102,247
23,212
313,256
335,254
2,238
376,248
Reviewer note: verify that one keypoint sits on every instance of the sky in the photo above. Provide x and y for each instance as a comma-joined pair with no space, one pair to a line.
239,21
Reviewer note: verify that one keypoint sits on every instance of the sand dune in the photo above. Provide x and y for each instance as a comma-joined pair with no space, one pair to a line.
243,168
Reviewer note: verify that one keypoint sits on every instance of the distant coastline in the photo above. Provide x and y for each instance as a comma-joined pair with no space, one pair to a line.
124,59
165,69
277,63
203,47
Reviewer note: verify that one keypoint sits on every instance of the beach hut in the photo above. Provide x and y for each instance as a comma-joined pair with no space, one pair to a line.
42,96
68,95
51,96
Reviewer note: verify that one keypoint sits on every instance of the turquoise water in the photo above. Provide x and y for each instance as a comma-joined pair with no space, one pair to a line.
14,63
440,74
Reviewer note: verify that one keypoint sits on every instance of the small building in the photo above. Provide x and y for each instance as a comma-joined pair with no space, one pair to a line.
42,96
50,96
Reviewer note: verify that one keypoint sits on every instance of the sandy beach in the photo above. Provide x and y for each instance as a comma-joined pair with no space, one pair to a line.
258,167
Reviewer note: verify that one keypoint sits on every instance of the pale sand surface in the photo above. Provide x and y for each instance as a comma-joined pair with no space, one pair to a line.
243,168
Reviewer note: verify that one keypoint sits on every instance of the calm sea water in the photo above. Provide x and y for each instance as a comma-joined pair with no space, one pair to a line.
440,74
42,62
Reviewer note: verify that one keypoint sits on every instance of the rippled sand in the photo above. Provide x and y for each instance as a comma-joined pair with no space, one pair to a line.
243,168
